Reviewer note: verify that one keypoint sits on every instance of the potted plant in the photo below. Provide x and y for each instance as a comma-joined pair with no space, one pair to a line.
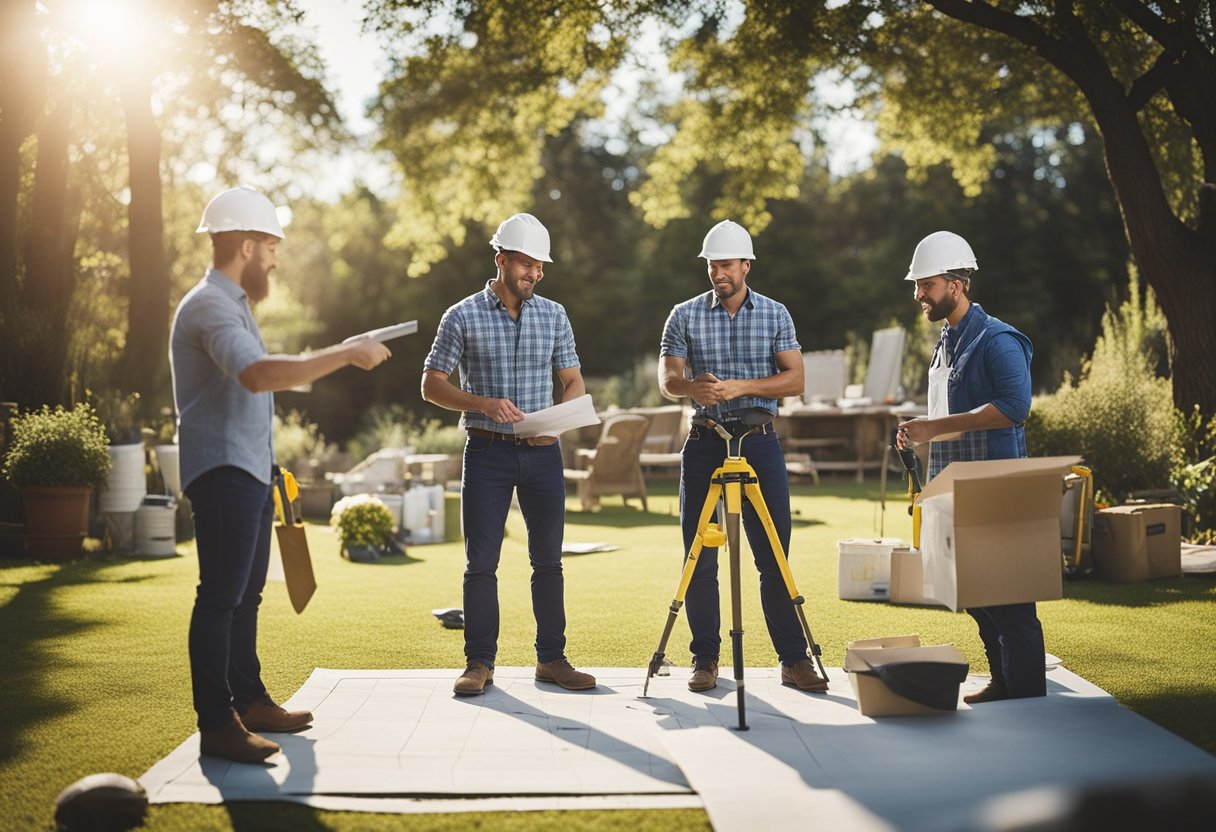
56,458
365,527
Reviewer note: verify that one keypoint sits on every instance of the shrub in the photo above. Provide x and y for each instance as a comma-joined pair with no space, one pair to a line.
1119,415
362,520
58,448
1194,474
300,447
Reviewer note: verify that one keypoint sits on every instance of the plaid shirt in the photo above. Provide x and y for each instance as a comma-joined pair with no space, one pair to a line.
703,332
501,357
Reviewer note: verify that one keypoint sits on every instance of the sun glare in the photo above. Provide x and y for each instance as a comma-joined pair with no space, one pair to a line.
116,33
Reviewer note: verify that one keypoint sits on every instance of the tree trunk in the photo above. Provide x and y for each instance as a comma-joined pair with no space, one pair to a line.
22,95
145,359
50,269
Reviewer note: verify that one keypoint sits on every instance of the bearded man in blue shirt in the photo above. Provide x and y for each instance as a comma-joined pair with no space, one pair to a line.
979,398
733,350
223,386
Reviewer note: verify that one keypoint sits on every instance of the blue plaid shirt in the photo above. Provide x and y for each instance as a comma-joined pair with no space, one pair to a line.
501,357
703,332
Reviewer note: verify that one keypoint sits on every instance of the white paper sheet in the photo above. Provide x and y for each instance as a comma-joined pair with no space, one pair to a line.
385,333
553,421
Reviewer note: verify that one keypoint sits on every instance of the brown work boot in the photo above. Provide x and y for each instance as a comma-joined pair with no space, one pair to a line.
801,674
993,692
561,672
704,676
474,679
267,716
234,742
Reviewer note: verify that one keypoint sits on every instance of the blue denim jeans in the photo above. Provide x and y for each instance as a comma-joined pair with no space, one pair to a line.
1013,643
704,451
233,513
494,469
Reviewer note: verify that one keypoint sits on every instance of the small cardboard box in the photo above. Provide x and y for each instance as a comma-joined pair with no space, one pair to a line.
874,698
907,577
863,567
990,532
1137,542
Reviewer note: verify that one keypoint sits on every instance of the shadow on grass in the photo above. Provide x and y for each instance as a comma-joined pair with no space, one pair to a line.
257,816
628,517
31,623
1143,594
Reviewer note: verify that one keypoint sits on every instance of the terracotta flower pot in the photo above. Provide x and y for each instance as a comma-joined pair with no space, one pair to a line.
56,520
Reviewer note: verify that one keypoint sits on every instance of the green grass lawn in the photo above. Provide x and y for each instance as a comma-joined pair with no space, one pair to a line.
95,675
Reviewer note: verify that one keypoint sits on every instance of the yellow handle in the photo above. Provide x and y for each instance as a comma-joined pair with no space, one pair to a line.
293,493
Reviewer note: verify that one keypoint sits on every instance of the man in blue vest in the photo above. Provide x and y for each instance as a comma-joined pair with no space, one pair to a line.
979,398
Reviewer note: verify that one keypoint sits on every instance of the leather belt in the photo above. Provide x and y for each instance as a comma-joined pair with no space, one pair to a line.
510,437
733,428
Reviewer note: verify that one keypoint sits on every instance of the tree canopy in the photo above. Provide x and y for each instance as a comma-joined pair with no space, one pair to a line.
481,87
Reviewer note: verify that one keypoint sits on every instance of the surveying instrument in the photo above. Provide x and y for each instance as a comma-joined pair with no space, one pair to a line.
728,485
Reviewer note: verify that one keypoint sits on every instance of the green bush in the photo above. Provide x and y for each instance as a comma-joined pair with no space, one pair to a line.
300,447
58,448
1119,415
1194,474
362,520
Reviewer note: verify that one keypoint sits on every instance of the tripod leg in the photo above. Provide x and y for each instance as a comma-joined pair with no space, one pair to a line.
733,506
707,535
757,500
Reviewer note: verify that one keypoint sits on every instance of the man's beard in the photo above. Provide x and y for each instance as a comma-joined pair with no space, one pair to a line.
255,280
941,310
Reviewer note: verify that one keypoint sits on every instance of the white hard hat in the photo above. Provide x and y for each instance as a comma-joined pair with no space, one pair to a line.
940,252
727,241
523,233
240,209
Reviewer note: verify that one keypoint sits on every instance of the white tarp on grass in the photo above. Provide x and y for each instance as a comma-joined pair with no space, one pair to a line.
400,741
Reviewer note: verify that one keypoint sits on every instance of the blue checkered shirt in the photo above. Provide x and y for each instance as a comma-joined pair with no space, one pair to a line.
703,332
501,357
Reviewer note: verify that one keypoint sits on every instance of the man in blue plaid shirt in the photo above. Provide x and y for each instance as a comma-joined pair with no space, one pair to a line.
508,344
979,398
730,350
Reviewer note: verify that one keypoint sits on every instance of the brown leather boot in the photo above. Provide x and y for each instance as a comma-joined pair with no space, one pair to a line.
802,675
474,679
561,672
704,676
991,693
267,716
234,742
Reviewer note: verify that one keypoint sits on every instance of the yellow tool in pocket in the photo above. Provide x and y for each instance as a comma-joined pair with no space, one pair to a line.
293,494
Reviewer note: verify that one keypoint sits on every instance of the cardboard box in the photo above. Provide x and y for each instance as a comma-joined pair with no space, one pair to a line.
863,567
874,697
990,532
907,577
1137,542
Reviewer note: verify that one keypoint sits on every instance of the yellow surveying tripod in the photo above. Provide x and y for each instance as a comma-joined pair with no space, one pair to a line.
733,480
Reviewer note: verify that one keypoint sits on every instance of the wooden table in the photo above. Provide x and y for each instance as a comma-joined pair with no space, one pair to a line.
838,438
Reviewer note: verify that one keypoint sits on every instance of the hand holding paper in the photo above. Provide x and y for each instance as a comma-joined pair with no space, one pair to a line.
553,421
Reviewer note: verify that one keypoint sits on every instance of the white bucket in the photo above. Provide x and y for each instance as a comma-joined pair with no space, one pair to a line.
417,514
155,529
127,483
864,567
169,460
394,503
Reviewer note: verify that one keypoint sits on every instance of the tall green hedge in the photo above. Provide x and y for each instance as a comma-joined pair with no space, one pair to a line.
1119,414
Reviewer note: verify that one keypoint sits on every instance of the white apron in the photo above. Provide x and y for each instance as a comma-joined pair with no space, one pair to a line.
939,391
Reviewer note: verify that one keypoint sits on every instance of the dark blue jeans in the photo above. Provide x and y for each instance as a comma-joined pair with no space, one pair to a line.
233,513
1013,642
703,452
493,470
